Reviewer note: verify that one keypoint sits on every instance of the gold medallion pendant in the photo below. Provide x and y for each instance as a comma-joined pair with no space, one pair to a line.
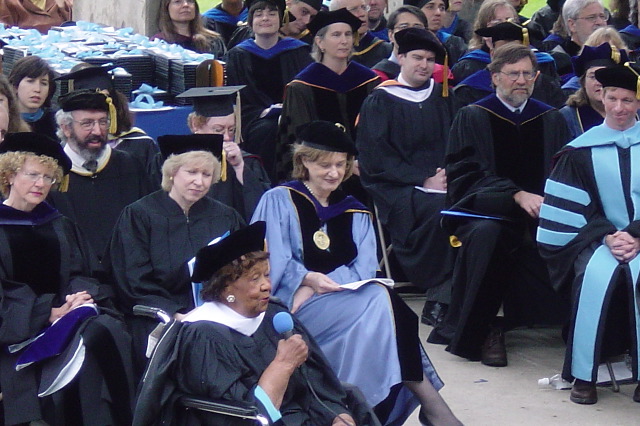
321,239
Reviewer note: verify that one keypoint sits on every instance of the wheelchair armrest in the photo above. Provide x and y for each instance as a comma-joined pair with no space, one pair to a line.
151,312
230,408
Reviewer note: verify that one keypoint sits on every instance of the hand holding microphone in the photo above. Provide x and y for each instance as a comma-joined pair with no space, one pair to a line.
292,350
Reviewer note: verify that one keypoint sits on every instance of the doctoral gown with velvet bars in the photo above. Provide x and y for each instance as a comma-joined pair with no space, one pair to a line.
265,72
43,258
492,154
401,142
148,254
580,119
318,93
348,325
592,192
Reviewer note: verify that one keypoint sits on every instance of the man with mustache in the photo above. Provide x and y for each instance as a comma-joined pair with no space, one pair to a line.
498,158
102,181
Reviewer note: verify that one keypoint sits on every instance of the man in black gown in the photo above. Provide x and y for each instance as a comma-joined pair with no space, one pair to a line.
102,180
402,135
498,158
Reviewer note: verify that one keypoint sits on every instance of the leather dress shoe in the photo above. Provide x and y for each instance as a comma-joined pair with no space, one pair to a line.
585,392
636,393
494,352
433,313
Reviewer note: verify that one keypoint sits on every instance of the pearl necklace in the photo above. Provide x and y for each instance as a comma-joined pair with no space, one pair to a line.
309,189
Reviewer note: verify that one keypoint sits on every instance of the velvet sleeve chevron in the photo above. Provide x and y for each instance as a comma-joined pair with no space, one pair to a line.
571,218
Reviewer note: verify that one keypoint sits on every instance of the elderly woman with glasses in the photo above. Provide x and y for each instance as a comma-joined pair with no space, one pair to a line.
45,273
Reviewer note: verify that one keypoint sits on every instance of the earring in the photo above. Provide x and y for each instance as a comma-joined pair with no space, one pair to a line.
170,177
321,50
231,298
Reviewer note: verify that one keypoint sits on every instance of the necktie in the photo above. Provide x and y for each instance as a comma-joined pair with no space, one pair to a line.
91,165
517,111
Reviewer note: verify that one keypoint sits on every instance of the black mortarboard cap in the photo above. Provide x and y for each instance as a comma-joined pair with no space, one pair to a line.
179,144
212,101
87,76
38,144
421,3
625,76
326,136
419,39
211,258
82,100
510,31
316,4
604,55
322,19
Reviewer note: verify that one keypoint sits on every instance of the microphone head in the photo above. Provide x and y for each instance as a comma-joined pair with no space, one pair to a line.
282,322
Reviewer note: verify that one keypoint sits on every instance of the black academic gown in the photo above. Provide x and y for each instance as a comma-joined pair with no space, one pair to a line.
265,73
401,143
148,254
94,201
318,93
370,50
142,147
492,154
64,262
242,197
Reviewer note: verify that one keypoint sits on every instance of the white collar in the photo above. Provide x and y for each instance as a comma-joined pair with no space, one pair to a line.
510,107
222,314
77,160
407,93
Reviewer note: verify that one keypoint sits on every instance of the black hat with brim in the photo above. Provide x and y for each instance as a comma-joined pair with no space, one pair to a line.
419,39
323,19
625,76
179,144
212,101
325,136
90,77
212,258
83,100
37,144
604,55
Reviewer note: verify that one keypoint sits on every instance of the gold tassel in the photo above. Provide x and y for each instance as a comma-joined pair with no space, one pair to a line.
113,116
356,39
454,241
445,77
628,65
285,17
64,184
223,167
525,37
615,54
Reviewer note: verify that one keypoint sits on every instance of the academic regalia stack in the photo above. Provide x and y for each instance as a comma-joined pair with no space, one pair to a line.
265,74
243,197
494,153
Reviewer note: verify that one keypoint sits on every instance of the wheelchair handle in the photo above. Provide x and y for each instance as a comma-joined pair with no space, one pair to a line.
151,312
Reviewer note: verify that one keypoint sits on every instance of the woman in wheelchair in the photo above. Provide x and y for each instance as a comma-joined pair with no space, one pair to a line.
46,284
229,348
319,239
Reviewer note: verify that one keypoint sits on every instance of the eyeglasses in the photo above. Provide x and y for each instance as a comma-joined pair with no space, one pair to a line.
364,7
181,2
593,18
515,75
401,27
87,125
34,177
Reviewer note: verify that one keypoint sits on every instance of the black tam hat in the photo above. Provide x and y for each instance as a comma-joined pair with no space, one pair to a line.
419,39
604,55
37,144
323,19
211,258
625,76
90,100
510,30
326,136
179,144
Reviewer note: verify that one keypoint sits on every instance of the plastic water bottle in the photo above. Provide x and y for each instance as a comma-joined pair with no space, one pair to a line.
556,382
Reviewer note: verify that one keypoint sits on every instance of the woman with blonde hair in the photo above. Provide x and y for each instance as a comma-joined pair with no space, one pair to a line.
180,22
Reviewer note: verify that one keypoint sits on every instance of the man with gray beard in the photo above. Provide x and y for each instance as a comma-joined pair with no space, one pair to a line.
102,181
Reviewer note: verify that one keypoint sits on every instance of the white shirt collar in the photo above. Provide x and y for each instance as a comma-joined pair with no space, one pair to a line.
222,314
77,160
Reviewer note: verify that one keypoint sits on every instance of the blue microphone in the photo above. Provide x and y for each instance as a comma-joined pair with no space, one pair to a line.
283,324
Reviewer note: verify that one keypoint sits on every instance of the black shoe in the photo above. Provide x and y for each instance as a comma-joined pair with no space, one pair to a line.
636,393
584,392
494,351
437,339
433,313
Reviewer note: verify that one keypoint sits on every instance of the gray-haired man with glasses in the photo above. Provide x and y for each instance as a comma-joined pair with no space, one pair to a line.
499,155
102,180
